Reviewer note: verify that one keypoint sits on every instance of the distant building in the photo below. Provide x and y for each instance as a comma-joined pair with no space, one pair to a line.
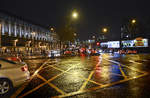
19,34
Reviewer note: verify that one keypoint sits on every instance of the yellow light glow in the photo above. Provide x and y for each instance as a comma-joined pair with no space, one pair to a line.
75,15
33,33
104,30
52,29
16,40
133,21
75,34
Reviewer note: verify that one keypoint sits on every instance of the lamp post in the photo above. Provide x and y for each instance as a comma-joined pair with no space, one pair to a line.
132,29
33,43
15,44
104,31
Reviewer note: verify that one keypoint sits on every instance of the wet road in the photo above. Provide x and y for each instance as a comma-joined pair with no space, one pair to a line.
105,76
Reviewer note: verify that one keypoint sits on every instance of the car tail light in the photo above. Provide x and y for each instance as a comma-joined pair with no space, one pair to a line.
24,68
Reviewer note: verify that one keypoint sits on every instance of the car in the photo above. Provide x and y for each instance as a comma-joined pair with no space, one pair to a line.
15,59
54,53
12,74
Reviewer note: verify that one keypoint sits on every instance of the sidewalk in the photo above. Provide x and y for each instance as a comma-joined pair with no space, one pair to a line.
31,56
34,57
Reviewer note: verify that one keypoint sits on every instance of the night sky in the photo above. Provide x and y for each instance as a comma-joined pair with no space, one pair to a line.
94,14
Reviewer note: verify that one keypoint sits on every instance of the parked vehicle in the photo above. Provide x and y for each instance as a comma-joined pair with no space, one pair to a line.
12,74
54,53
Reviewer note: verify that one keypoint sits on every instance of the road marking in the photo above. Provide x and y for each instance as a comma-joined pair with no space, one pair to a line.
24,86
134,62
85,83
122,72
99,87
89,77
50,84
19,90
134,69
90,80
34,89
78,75
30,91
57,68
105,85
81,90
116,74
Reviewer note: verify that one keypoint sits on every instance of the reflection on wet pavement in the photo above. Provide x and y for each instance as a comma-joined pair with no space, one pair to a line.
77,75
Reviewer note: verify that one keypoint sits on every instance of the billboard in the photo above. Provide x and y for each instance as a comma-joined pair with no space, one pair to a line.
138,42
128,43
113,44
104,44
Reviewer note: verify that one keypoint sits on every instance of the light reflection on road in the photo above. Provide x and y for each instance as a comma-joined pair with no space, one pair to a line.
102,71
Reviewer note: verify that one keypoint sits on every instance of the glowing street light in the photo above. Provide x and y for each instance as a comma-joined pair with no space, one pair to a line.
75,15
93,37
133,21
33,33
104,30
52,29
16,40
75,34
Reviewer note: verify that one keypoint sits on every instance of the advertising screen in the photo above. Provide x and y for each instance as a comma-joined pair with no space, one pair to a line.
141,42
113,44
128,43
135,43
104,44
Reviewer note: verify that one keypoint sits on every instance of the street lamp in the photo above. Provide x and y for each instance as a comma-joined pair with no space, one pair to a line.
33,34
104,30
75,15
15,42
93,37
133,21
52,29
75,34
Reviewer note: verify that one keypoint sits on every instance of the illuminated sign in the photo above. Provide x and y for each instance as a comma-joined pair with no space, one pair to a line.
113,44
139,42
104,44
128,43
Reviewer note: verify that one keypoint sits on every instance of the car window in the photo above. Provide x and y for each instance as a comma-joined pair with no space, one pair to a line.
8,61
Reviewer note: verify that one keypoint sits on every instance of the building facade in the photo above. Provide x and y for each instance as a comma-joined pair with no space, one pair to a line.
17,34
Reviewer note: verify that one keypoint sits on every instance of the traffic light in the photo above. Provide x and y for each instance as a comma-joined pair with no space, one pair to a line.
97,43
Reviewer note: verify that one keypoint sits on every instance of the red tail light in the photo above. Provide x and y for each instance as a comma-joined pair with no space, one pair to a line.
24,68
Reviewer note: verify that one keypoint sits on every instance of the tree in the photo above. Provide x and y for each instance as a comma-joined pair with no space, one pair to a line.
140,29
66,34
